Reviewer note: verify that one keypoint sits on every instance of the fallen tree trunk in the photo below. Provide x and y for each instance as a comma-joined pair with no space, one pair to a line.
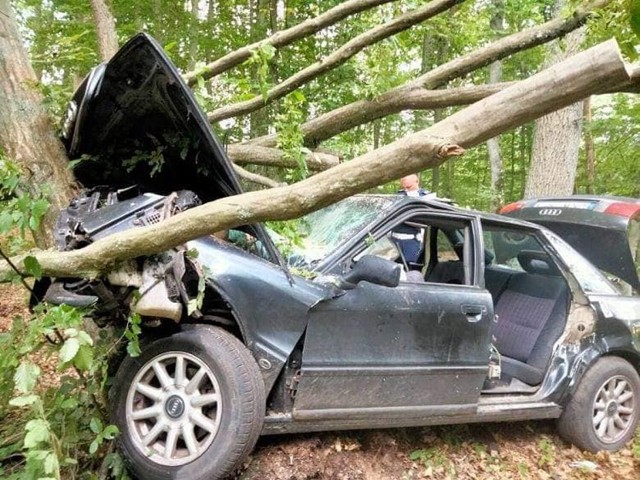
337,58
554,88
255,178
253,151
243,154
349,116
284,37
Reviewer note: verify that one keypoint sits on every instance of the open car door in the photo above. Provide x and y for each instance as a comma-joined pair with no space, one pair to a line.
417,349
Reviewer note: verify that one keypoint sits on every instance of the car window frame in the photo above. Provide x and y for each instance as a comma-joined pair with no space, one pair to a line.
473,262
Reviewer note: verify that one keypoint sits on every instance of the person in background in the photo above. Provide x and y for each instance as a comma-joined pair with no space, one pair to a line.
409,239
411,187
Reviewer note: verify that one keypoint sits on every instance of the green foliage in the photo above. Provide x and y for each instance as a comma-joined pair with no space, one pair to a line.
616,133
132,334
153,158
290,135
260,58
547,452
59,420
18,210
634,16
429,457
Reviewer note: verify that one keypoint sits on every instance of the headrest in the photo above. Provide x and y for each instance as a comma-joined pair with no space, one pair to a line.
537,262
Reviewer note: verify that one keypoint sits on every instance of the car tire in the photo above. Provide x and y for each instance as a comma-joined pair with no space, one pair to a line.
192,405
604,410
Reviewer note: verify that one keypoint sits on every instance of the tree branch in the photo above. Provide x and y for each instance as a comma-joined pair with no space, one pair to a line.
244,154
337,58
349,116
255,178
284,37
554,88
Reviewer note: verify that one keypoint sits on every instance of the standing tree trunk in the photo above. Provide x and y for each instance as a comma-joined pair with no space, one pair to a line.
493,144
106,28
589,148
26,132
556,139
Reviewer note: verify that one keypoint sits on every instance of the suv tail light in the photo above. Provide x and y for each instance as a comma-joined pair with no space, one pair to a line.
623,209
512,207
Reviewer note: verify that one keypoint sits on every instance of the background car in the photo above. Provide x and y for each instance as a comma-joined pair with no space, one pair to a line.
499,320
605,230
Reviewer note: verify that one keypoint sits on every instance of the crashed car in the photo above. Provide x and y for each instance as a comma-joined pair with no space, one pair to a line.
604,229
499,320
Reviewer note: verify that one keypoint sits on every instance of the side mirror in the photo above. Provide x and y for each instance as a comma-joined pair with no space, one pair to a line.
372,269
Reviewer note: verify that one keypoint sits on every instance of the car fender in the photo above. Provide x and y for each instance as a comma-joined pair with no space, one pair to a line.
270,306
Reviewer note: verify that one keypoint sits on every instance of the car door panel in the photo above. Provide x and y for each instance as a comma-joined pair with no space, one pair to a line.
413,346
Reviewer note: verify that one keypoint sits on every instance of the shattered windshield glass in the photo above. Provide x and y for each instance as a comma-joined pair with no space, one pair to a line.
323,231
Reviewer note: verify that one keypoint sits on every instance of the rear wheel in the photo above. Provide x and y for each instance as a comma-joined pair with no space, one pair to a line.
604,410
190,406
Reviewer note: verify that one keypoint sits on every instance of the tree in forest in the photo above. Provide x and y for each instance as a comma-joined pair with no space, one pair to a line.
556,139
26,132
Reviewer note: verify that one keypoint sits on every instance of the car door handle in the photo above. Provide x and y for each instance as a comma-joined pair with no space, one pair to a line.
473,312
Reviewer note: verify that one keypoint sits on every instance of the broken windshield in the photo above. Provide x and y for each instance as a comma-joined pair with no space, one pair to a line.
323,231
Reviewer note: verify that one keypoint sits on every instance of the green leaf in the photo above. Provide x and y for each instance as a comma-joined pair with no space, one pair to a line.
85,338
6,222
69,404
51,464
95,425
84,358
23,400
93,448
25,377
37,431
32,266
133,349
39,208
110,432
69,349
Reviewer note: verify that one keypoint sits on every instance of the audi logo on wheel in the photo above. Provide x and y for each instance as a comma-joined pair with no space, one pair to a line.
553,212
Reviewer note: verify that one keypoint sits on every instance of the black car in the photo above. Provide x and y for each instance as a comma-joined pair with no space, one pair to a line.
499,320
604,229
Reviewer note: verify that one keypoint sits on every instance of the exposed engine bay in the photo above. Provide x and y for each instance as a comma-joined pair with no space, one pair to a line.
156,287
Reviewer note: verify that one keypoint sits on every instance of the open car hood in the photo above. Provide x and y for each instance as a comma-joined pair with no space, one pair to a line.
133,121
596,226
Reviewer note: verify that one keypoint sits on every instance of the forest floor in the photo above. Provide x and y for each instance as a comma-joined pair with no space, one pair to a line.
520,450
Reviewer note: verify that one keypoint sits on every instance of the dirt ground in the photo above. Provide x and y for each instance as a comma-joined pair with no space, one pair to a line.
485,451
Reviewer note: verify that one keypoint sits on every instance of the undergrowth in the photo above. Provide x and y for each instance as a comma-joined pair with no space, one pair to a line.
52,428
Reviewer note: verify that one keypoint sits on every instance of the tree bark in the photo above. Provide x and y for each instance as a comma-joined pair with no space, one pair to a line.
556,138
256,178
560,85
245,154
493,150
285,37
589,147
106,29
349,116
493,144
26,133
337,58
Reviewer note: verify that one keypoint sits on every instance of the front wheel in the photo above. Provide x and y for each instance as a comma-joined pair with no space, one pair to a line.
190,406
604,410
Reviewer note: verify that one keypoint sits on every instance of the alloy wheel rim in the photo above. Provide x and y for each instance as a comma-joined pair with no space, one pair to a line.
173,408
613,409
